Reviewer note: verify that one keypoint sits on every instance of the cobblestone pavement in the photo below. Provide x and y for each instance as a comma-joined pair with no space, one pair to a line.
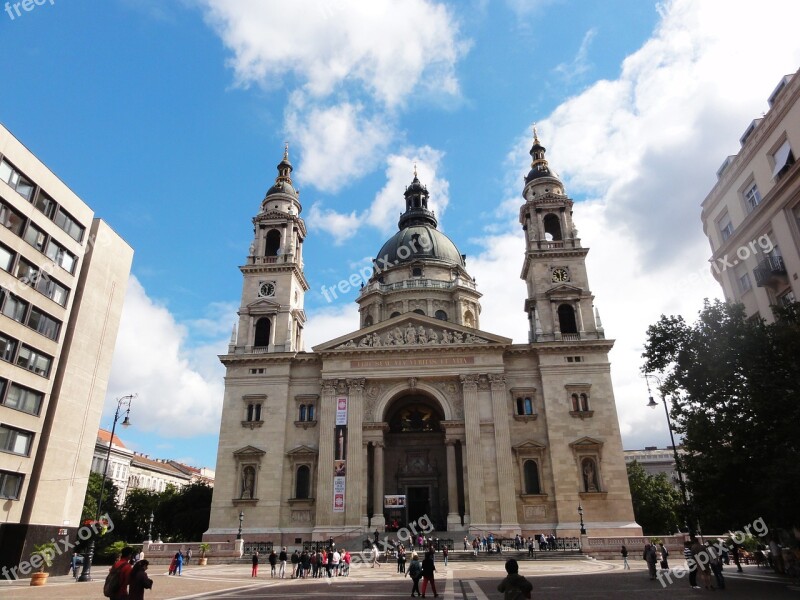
583,580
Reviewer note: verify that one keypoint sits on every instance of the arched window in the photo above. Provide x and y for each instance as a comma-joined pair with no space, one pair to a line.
566,319
532,477
302,412
302,482
441,315
584,403
368,321
419,311
273,243
394,314
263,326
589,475
576,405
528,405
520,407
310,412
552,228
469,319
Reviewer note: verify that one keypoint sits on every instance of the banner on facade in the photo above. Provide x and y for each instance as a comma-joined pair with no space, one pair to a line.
340,443
338,494
341,410
394,501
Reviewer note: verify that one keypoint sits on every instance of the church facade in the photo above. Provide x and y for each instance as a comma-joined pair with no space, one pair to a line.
418,412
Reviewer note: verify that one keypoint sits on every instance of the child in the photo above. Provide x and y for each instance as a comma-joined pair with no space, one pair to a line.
514,586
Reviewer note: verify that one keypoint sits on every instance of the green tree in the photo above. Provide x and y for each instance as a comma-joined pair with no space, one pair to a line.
656,502
735,389
110,504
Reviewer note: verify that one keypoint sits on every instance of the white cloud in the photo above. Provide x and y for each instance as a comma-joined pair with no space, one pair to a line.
341,227
179,386
645,148
580,64
326,54
328,323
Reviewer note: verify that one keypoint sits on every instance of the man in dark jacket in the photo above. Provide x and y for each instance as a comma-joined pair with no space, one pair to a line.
514,586
123,566
428,569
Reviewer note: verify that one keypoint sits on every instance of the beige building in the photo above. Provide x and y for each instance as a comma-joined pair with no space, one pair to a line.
655,460
752,215
418,412
155,474
63,274
119,461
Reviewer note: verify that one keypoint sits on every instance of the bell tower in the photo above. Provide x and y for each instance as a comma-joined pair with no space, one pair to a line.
559,303
271,315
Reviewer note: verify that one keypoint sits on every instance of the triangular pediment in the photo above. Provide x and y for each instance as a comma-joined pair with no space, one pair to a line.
564,290
586,442
302,450
249,451
529,447
427,332
263,304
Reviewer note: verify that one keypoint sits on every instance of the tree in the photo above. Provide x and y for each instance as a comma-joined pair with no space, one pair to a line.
735,389
656,502
110,504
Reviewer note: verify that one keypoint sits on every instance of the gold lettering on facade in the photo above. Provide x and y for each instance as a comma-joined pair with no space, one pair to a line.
447,361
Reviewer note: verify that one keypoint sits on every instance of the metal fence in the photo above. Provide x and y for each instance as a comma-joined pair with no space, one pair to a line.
260,547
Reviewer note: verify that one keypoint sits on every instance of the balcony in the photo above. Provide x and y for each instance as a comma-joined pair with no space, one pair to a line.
770,271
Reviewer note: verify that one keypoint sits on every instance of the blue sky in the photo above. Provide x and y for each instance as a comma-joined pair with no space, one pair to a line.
168,119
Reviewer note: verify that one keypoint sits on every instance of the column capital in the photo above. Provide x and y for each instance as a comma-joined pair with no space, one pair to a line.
356,385
469,382
451,441
497,381
378,444
329,386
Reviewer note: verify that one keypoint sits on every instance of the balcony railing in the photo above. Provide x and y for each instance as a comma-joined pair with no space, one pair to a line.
768,269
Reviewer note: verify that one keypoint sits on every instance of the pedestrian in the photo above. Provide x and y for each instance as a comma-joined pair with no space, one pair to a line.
401,559
514,586
475,545
273,560
375,555
428,569
687,554
74,562
178,562
715,563
139,581
465,543
305,564
336,558
123,569
347,558
445,552
624,553
664,555
650,557
702,567
530,547
282,558
173,565
254,572
735,548
329,562
189,554
415,572
295,564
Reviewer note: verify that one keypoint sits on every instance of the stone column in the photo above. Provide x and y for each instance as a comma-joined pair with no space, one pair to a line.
579,317
378,520
472,430
453,518
355,453
365,487
326,415
502,439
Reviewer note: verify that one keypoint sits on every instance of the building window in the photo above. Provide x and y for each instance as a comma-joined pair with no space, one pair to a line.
16,180
589,475
532,485
524,406
263,326
566,319
782,159
306,413
469,319
752,197
784,300
273,244
24,399
35,237
45,204
14,307
15,441
552,228
744,282
416,272
11,219
580,402
35,361
62,257
10,485
419,311
6,258
52,289
44,323
253,412
26,272
8,347
302,482
394,314
725,226
69,225
441,315
368,321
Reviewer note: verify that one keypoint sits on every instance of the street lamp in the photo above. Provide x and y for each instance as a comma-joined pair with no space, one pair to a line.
580,514
150,527
652,404
124,402
241,520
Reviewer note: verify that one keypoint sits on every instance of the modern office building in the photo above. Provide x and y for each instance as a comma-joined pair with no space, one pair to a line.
63,275
418,412
656,460
752,215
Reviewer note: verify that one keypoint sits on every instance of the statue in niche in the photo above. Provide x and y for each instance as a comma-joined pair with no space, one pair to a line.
589,476
248,483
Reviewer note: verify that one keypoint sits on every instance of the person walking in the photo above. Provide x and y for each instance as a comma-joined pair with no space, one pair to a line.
282,558
254,572
139,581
179,562
687,554
346,558
650,557
465,543
428,569
445,552
375,555
514,586
123,569
401,559
716,564
664,555
624,553
415,572
273,560
295,564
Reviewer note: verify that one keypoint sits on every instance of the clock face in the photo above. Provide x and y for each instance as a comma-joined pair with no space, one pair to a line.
266,288
560,275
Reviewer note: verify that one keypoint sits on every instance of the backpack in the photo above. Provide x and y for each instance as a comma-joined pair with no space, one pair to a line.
111,585
415,570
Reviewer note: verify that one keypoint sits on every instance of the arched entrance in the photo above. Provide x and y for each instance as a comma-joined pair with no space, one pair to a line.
415,462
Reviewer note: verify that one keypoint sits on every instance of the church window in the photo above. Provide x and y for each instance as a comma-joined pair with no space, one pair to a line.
302,482
419,311
273,243
469,319
253,412
263,326
367,320
584,406
524,405
416,272
589,475
552,228
532,477
576,403
520,409
394,314
441,315
302,412
566,319
310,412
306,413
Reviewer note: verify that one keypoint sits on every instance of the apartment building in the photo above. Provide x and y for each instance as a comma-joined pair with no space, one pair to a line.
63,276
752,215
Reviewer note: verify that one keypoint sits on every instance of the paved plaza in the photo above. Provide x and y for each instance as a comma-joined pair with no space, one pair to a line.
579,579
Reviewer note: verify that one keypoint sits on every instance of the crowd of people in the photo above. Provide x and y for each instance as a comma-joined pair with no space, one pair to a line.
328,562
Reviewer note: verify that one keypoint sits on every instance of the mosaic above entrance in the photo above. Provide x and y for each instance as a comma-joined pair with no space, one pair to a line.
413,336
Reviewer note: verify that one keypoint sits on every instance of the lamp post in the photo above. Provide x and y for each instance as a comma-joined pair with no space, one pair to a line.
652,404
580,514
124,402
241,520
150,527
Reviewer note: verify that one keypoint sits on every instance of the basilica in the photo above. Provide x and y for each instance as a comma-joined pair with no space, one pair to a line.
418,412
